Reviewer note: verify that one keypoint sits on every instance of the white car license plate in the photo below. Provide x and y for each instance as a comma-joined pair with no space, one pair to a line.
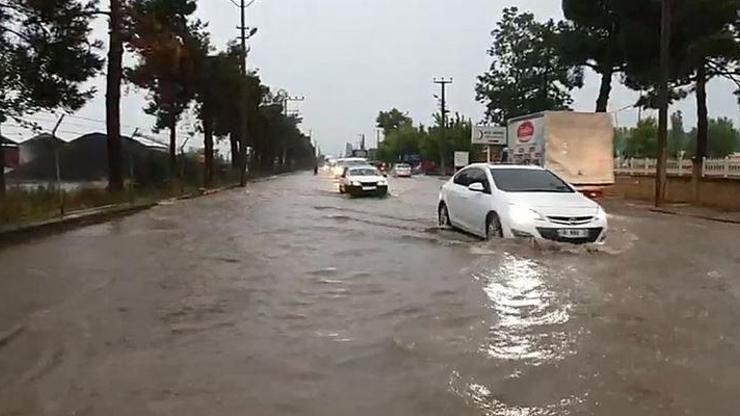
573,233
369,188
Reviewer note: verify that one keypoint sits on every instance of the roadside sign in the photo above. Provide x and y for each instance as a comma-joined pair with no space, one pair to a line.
489,135
462,159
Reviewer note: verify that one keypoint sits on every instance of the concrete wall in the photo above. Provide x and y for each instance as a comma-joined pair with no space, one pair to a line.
719,193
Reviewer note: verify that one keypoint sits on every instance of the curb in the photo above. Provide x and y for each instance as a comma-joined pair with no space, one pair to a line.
699,216
56,225
15,233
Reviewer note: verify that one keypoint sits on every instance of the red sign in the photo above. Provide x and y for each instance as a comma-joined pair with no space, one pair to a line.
525,132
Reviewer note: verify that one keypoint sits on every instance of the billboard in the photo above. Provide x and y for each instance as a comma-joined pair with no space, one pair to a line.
527,140
489,135
462,159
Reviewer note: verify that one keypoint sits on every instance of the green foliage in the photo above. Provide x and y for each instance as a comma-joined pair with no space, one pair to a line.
405,140
593,38
643,140
170,47
45,56
677,137
527,74
702,35
724,138
392,120
410,139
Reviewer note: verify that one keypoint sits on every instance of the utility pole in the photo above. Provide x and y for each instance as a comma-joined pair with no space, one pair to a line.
665,65
60,194
243,127
442,82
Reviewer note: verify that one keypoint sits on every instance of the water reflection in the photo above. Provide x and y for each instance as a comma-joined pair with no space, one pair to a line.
529,317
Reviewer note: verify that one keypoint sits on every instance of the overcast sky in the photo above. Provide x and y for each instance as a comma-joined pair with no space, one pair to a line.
353,58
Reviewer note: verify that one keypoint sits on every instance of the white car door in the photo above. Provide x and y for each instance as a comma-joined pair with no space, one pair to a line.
456,191
477,204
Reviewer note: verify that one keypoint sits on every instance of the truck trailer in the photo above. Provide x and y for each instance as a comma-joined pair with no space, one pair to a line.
578,147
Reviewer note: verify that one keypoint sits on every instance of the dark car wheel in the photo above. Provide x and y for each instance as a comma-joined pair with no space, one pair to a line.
493,227
443,216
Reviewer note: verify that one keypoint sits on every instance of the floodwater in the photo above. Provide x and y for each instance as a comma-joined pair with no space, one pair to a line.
290,299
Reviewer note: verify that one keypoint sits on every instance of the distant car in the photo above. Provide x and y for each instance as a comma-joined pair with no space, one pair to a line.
495,201
341,164
402,170
363,180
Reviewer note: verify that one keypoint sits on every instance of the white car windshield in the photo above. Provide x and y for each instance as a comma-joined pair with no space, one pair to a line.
354,162
528,180
364,172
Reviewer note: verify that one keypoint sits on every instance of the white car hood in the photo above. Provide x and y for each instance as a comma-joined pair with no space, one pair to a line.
552,203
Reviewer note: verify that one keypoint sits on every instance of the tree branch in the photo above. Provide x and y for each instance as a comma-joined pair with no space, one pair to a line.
7,29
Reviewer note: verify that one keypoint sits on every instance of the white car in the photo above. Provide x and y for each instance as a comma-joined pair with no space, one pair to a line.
363,180
338,169
495,201
402,170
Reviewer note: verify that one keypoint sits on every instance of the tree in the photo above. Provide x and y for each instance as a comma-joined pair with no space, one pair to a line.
527,74
114,76
170,47
392,120
677,137
724,138
642,141
704,44
405,140
45,57
594,39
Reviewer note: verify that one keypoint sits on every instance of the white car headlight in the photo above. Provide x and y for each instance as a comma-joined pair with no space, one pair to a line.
383,182
522,214
355,183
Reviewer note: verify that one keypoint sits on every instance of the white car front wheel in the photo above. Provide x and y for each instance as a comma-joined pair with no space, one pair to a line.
493,227
443,216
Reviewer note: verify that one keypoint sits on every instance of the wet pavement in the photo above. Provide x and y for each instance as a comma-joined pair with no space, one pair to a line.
290,299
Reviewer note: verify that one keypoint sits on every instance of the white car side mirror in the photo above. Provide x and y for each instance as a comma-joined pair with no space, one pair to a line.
476,187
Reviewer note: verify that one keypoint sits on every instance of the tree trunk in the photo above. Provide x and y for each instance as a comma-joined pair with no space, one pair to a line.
234,152
702,128
665,66
208,142
2,177
602,103
173,145
113,99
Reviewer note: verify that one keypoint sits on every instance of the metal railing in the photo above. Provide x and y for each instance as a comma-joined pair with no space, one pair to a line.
715,168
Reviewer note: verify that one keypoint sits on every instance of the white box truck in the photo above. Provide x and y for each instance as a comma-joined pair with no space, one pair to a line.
579,147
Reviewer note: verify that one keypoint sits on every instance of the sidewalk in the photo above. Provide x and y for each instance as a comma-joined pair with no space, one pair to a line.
12,232
688,210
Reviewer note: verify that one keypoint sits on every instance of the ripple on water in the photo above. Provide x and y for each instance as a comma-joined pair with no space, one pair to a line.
530,316
484,398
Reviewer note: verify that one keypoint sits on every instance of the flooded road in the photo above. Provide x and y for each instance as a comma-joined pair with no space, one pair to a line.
290,299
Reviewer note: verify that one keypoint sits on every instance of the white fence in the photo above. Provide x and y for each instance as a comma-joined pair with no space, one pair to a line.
716,168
